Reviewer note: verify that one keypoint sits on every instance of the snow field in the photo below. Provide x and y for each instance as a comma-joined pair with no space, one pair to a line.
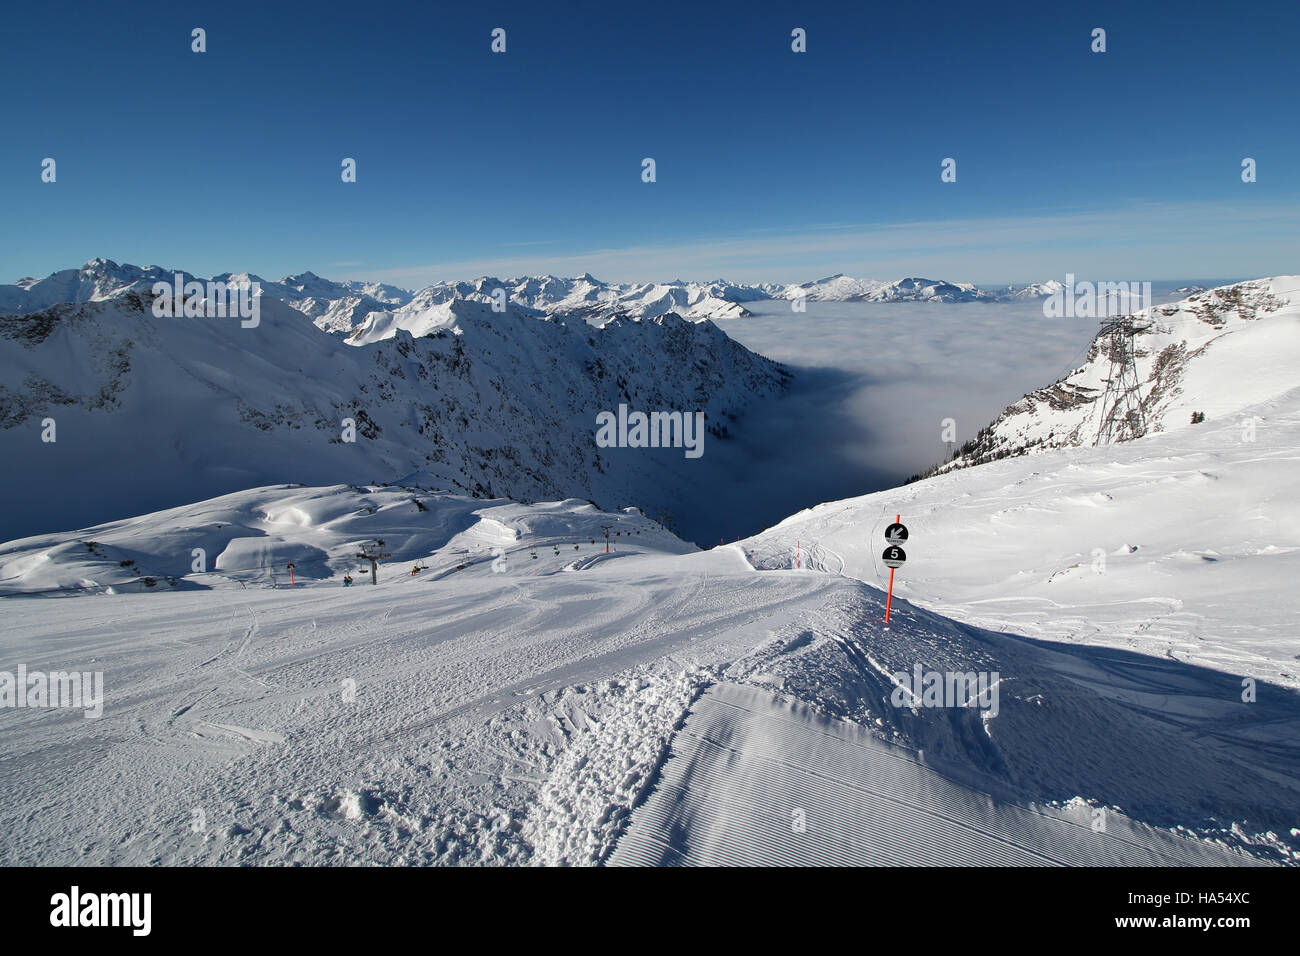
752,780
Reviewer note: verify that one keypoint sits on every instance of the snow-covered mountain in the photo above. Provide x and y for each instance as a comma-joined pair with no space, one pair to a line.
332,305
1035,290
344,307
588,297
842,288
717,299
98,279
162,411
1211,354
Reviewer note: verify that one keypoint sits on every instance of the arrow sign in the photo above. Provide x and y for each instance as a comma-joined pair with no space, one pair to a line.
896,533
894,557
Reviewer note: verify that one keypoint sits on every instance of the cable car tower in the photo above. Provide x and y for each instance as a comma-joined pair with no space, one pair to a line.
1122,415
374,553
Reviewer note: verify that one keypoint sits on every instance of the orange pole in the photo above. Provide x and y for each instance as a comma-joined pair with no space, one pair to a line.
890,599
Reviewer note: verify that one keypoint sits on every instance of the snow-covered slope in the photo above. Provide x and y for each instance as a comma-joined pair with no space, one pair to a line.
250,537
153,412
1183,544
501,708
736,786
1216,352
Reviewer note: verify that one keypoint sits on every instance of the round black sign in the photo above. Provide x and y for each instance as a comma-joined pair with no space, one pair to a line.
896,533
894,556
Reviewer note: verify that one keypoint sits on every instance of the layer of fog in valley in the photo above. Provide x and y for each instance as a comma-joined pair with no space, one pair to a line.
873,384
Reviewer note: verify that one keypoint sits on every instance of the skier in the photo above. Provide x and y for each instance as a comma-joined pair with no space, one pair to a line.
415,569
347,580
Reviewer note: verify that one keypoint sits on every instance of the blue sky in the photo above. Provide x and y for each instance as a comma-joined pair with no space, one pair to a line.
771,165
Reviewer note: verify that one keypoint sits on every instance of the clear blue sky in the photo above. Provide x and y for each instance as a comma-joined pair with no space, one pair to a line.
771,165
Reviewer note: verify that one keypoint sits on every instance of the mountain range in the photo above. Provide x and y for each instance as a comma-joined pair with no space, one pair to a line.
494,403
346,307
162,411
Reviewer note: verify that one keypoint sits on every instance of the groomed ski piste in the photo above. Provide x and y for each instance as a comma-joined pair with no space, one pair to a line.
663,704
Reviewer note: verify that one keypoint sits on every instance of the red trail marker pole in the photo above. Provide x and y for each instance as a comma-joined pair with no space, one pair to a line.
890,599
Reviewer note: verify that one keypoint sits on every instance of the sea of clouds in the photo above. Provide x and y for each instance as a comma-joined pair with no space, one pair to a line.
873,385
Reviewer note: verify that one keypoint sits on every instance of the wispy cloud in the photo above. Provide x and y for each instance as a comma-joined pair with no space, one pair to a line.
1139,239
